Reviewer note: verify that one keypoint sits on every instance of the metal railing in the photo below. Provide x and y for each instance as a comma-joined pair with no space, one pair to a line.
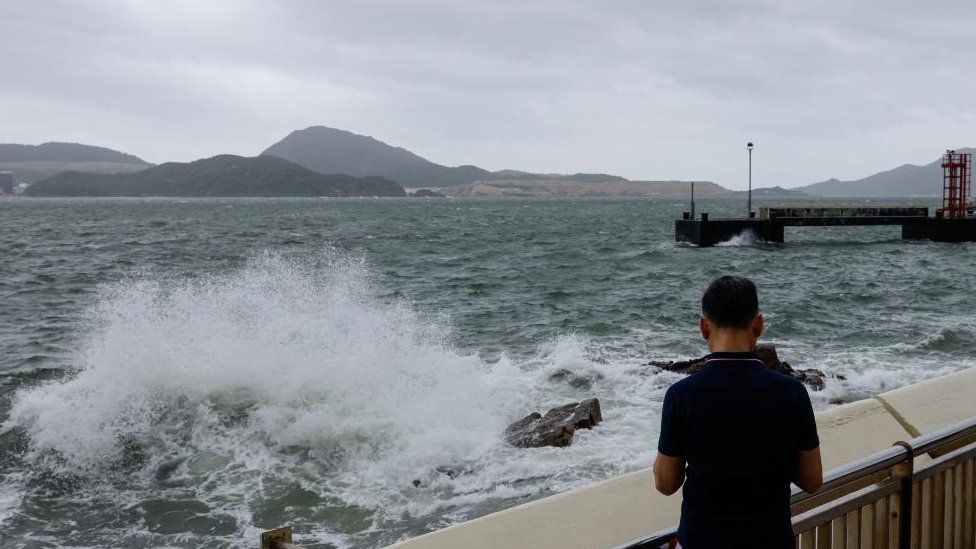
882,501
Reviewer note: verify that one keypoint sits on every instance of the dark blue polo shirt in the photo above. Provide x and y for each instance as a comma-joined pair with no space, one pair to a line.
738,425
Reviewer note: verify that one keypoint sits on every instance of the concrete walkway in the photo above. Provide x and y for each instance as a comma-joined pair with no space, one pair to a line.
615,511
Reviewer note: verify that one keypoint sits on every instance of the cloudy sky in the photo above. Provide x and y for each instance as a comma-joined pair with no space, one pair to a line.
645,89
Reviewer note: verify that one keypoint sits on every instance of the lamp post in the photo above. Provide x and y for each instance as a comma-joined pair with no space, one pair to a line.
749,147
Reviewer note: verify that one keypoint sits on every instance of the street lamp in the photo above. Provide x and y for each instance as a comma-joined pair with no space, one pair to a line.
749,146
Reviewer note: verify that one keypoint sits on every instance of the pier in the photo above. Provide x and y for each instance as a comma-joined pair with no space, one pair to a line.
953,222
770,226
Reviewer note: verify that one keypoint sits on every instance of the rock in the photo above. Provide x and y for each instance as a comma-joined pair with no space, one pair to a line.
769,356
451,472
680,366
557,427
573,379
816,379
812,377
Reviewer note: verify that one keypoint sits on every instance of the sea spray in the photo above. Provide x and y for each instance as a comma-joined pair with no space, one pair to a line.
745,238
293,375
307,355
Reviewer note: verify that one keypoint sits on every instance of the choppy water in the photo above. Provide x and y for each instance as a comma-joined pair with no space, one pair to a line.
188,373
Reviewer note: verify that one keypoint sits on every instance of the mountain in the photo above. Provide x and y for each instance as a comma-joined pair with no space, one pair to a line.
224,175
770,193
578,189
905,180
329,150
30,163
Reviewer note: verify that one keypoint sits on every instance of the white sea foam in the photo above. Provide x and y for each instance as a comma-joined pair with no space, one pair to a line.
308,354
745,238
300,372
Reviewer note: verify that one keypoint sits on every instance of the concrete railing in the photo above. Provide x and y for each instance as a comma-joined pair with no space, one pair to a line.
853,437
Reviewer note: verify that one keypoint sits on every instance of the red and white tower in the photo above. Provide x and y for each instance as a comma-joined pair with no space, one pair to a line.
956,175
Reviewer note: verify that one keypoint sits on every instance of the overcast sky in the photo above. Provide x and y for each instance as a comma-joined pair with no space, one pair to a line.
645,89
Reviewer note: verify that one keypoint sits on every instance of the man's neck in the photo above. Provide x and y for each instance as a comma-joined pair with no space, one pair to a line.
732,342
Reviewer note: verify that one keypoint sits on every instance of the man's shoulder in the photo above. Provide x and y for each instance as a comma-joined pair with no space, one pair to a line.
686,383
705,377
785,380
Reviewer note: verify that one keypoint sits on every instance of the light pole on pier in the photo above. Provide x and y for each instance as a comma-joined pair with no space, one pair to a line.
749,146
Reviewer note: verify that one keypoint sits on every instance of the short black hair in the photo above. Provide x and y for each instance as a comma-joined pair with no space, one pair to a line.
730,302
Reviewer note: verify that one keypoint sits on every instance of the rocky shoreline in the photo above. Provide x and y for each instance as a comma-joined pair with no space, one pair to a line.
558,425
813,378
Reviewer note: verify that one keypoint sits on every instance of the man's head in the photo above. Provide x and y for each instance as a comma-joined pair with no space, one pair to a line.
731,320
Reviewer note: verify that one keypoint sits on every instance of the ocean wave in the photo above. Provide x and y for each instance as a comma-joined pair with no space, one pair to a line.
745,238
287,373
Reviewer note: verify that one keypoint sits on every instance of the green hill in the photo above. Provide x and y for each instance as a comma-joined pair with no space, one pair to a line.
224,175
65,152
329,150
30,163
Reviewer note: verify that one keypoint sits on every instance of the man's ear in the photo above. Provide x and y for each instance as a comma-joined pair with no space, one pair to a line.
758,325
705,327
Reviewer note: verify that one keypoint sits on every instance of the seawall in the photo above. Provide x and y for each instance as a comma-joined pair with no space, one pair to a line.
620,509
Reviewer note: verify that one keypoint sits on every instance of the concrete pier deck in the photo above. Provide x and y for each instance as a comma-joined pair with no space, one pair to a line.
770,225
615,511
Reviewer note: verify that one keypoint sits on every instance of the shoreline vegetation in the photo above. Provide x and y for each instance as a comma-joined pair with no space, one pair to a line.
220,176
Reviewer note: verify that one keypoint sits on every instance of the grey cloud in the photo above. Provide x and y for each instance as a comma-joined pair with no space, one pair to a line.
645,89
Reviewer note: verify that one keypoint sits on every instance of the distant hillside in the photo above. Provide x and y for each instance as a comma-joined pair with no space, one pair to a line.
571,188
64,152
906,180
770,192
224,175
329,150
30,163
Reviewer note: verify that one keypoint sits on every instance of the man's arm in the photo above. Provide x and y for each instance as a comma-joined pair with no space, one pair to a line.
669,465
808,470
669,473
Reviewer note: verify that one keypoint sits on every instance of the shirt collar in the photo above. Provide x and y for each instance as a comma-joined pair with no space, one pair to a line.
743,358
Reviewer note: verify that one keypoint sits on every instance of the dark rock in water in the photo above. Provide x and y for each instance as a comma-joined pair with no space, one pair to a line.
578,381
449,471
680,366
427,193
767,353
557,427
769,356
816,379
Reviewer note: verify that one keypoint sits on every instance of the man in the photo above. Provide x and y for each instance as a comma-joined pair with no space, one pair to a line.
736,434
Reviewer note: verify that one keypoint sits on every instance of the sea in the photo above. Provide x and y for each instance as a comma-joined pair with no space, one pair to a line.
190,372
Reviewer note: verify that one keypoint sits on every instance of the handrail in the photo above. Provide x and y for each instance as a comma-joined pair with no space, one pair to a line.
850,479
652,541
854,470
946,436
